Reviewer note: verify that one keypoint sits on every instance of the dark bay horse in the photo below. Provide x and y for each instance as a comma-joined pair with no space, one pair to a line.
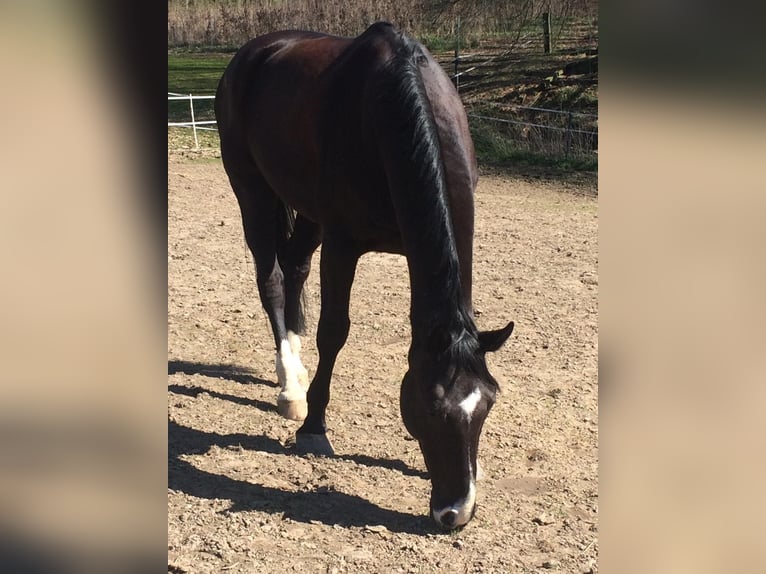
362,144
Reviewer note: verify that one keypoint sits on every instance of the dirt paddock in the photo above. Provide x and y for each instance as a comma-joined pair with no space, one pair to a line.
240,501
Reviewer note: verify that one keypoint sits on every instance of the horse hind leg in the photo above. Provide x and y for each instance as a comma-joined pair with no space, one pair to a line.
263,222
301,372
293,381
295,260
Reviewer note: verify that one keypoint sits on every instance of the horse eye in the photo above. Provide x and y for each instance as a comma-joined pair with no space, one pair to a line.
435,410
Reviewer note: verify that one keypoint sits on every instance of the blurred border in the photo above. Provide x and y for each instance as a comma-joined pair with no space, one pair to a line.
682,277
83,431
82,243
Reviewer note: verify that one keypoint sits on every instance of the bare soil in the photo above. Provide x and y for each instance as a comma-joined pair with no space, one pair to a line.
240,501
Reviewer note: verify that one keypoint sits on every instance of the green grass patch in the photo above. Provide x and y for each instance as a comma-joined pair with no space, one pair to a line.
436,43
196,73
572,98
494,148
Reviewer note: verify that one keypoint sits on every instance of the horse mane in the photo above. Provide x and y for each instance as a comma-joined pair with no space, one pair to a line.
419,193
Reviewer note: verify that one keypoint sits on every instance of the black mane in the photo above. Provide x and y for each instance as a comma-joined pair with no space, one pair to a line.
439,316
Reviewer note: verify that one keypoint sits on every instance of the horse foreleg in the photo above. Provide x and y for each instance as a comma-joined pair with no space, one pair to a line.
337,269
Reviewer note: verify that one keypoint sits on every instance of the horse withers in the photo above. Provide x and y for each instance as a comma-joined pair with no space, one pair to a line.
362,144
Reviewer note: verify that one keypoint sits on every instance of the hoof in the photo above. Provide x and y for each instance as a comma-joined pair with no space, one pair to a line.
317,444
292,410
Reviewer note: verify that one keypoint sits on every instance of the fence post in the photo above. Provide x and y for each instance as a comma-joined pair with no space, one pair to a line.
569,135
457,55
194,124
547,32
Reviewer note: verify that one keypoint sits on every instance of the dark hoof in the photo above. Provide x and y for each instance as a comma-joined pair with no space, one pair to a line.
317,444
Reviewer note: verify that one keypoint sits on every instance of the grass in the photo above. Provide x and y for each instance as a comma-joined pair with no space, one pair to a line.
494,148
196,73
574,98
182,139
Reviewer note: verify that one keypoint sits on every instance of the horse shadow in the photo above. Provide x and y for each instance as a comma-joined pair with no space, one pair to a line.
195,391
322,505
239,374
220,371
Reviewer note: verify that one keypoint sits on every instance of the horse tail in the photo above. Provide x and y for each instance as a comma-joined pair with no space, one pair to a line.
286,219
285,226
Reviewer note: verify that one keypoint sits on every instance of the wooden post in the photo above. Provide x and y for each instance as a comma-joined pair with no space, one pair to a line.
569,135
547,32
457,55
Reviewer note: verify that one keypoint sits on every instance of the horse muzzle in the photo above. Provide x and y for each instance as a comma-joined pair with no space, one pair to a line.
458,514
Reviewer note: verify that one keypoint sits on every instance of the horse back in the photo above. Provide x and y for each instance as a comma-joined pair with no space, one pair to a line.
302,107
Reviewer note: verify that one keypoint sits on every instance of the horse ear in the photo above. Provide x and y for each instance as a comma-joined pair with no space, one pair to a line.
490,341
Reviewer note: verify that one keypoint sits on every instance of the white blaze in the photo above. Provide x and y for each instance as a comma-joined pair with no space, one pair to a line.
464,506
468,404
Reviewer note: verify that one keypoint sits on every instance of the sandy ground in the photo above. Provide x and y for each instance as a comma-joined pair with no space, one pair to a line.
240,501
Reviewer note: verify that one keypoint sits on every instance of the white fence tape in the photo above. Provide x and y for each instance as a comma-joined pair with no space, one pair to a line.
201,125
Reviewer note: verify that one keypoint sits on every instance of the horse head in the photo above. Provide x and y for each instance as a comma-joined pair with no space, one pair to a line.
445,399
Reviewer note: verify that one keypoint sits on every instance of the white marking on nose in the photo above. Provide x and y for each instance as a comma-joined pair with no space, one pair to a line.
463,507
468,404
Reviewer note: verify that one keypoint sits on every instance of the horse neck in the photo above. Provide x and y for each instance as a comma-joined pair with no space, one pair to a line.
437,300
410,151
